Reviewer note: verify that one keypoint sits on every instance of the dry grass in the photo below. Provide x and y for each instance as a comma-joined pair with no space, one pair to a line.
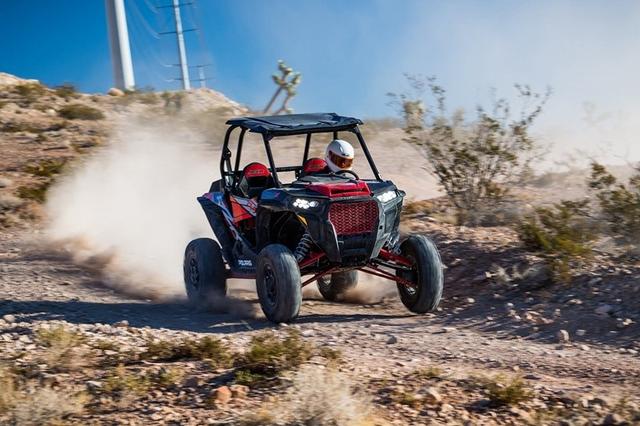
46,168
428,373
47,406
317,396
24,403
80,112
63,348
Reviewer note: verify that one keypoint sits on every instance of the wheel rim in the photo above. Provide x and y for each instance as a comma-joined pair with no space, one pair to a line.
413,276
194,275
270,285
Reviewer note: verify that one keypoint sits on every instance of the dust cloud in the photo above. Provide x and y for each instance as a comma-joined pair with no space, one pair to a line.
130,209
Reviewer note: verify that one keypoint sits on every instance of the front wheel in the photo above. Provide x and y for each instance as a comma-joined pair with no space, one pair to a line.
334,286
278,283
426,274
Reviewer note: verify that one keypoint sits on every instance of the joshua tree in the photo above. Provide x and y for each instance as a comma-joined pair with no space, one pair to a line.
287,81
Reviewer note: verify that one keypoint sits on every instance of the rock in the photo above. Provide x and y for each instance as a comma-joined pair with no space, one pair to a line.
121,324
584,347
604,310
563,336
9,318
221,395
581,332
432,396
470,300
308,333
392,339
612,419
93,385
239,391
5,182
9,202
115,92
194,382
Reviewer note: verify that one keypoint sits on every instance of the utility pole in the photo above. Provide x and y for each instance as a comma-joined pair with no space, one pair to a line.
119,42
186,84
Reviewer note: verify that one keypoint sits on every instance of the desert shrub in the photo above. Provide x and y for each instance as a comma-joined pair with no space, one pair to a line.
619,204
428,373
562,234
30,92
316,397
475,161
122,382
504,391
47,406
66,91
269,355
46,168
63,352
207,347
80,112
22,404
36,192
17,126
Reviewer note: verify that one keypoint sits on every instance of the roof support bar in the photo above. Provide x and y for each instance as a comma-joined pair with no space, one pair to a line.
367,154
267,147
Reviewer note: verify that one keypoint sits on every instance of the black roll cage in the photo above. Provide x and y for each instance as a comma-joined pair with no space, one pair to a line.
226,171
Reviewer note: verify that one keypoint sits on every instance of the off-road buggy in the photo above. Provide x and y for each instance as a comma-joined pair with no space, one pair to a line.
322,227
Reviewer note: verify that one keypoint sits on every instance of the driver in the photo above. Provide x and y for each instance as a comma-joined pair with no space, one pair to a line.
339,155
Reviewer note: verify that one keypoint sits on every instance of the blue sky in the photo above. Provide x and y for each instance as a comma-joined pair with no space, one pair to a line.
351,53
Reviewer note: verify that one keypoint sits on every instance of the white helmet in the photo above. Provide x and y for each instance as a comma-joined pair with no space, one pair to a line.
339,155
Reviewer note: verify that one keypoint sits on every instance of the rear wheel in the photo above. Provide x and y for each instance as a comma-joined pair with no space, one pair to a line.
426,275
205,275
278,283
334,286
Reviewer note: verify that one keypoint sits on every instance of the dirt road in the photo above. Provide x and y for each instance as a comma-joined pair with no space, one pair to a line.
380,342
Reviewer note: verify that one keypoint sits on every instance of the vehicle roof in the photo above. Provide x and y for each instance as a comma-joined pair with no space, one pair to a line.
295,124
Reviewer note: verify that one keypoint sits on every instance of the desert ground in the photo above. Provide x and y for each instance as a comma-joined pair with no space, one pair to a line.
92,331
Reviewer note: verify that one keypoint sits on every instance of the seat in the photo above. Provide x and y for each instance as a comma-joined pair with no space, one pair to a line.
314,165
256,177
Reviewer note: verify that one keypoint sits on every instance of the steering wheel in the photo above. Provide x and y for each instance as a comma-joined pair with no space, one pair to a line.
351,172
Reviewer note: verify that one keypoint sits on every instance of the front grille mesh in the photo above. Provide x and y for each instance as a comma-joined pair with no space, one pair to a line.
354,218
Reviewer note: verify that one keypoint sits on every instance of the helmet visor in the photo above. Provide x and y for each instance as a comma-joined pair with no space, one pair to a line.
342,162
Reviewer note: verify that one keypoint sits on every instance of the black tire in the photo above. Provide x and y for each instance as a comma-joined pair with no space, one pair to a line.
427,274
278,283
205,275
335,286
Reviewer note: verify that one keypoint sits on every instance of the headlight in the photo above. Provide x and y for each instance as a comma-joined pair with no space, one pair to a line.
301,203
387,196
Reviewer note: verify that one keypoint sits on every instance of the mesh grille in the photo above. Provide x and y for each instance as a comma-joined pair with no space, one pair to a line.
354,218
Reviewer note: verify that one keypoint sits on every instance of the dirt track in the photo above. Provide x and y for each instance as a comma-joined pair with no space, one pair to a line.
380,341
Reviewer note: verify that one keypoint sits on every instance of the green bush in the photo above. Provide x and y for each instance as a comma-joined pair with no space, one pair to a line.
562,234
503,391
619,203
80,112
477,161
269,355
207,347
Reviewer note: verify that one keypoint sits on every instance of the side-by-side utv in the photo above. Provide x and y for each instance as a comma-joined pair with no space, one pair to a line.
322,227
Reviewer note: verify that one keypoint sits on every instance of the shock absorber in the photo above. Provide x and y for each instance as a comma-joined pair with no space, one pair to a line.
302,250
